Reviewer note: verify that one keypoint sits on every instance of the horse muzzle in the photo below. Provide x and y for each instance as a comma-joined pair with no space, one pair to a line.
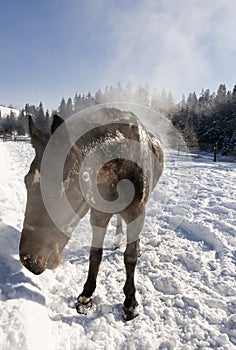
38,265
40,248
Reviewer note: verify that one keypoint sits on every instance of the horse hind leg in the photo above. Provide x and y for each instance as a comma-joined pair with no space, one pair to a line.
119,232
99,222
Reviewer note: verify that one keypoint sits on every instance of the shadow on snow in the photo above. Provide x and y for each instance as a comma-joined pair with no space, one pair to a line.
13,282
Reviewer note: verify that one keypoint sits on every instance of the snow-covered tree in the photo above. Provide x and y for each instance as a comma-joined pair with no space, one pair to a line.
62,108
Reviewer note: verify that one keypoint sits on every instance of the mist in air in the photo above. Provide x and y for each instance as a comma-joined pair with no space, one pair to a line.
175,45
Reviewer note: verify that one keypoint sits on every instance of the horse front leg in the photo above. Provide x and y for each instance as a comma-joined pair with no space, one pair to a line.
84,301
130,304
130,308
99,222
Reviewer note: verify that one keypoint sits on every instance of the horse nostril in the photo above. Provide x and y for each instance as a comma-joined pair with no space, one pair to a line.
33,264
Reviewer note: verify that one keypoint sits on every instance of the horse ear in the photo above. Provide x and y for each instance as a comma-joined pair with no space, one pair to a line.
57,121
35,133
32,128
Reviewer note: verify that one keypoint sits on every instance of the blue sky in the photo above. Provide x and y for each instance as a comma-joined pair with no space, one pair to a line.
54,48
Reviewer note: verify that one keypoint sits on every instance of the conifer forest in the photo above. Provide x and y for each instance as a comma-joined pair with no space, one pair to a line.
204,120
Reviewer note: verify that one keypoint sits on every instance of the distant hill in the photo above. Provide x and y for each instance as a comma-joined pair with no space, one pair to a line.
7,111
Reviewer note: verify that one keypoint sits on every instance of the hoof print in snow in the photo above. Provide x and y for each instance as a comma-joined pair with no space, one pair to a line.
130,312
83,307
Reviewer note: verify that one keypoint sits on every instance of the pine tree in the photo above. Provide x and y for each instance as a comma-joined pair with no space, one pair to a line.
90,101
30,110
22,123
221,94
9,123
170,102
142,95
77,102
109,95
47,120
40,118
62,108
99,97
119,93
155,101
69,108
128,92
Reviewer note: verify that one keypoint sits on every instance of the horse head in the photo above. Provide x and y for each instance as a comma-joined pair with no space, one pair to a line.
41,241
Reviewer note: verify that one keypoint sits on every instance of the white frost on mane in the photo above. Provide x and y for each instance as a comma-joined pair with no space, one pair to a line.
36,179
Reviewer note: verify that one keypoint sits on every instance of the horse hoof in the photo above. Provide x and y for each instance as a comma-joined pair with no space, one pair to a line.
83,305
130,312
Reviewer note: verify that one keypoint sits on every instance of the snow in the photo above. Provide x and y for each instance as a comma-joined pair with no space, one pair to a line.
5,111
185,278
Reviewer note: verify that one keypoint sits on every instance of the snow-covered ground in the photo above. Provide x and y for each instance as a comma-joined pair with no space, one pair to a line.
185,278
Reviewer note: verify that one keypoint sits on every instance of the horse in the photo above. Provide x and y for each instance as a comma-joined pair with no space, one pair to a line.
123,150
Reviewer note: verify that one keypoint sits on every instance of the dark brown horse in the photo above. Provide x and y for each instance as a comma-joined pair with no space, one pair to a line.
122,149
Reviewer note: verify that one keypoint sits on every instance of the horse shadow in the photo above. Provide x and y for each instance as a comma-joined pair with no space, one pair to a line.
14,284
99,310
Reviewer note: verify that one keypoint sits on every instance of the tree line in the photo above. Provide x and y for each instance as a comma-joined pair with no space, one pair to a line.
163,101
208,120
204,120
69,106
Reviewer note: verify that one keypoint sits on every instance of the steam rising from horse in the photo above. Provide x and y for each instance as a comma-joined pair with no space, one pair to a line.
42,241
